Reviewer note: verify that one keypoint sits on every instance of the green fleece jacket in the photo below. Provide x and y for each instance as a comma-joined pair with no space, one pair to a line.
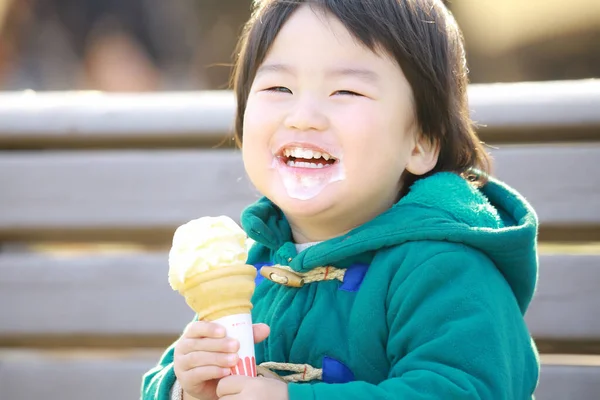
431,306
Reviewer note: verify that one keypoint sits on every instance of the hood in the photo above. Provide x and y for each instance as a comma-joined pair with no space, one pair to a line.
494,219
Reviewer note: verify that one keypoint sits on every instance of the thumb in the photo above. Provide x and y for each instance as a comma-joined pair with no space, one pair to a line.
261,331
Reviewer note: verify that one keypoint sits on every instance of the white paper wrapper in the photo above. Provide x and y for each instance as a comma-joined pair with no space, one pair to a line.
239,327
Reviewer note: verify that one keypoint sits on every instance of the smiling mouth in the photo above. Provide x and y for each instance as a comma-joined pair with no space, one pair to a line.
299,157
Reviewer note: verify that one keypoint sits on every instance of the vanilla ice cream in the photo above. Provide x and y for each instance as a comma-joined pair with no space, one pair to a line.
204,244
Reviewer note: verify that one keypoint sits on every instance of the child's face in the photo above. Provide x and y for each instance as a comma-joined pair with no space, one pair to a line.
303,99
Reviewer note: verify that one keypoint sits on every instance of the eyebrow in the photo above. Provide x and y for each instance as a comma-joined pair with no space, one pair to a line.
274,68
363,74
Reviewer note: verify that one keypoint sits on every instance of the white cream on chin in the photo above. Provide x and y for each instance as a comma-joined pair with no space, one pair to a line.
305,183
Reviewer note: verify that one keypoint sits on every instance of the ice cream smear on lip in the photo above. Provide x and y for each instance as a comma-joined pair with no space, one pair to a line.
306,172
205,244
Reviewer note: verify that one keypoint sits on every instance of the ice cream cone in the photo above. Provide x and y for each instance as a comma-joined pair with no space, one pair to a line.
220,292
222,296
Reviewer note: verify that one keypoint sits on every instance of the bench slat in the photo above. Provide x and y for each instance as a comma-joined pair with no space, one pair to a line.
30,375
94,295
562,182
536,104
567,298
186,116
568,382
129,295
60,192
93,115
119,377
129,193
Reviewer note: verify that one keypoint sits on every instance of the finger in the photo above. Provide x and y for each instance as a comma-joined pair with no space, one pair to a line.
208,358
231,385
203,329
207,373
261,331
226,345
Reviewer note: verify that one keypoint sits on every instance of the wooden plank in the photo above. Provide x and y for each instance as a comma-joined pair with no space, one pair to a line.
90,115
95,295
569,382
76,118
126,195
121,194
524,105
77,375
562,182
66,376
567,298
128,294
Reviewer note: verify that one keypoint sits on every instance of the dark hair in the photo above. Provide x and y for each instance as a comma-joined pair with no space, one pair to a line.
424,39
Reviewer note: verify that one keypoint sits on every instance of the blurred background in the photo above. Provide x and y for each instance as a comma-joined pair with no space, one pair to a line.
157,45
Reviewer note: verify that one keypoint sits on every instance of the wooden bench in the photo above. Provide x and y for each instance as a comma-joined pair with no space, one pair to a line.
85,321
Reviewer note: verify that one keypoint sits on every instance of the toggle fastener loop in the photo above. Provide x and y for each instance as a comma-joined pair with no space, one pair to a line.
282,276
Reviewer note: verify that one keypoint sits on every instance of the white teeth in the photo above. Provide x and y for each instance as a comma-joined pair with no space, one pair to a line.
302,164
308,154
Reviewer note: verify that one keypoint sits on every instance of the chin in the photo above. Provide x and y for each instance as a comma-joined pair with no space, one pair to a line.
317,205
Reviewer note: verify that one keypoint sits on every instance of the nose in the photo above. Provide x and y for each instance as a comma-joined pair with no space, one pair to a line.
305,115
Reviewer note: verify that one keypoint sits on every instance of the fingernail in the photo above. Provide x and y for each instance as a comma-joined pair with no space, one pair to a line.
232,359
220,332
226,371
231,344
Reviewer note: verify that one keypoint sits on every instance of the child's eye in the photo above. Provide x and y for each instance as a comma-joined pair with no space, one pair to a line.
347,93
280,89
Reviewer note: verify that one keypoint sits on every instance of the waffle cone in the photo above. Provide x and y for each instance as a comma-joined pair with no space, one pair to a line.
221,292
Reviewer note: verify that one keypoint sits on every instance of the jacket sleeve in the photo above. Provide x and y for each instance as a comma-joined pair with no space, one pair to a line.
455,332
157,383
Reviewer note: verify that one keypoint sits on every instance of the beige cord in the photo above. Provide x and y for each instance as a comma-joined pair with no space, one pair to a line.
304,372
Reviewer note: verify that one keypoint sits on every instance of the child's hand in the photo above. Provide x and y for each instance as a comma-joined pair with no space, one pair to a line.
203,355
237,387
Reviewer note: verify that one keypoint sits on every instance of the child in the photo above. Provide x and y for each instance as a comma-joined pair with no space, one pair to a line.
410,268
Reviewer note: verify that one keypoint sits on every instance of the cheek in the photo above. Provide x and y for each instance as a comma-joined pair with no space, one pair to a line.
259,129
256,128
252,120
251,148
375,145
254,163
356,128
261,119
370,135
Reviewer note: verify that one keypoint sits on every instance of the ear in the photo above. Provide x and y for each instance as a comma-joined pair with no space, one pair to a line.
424,156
